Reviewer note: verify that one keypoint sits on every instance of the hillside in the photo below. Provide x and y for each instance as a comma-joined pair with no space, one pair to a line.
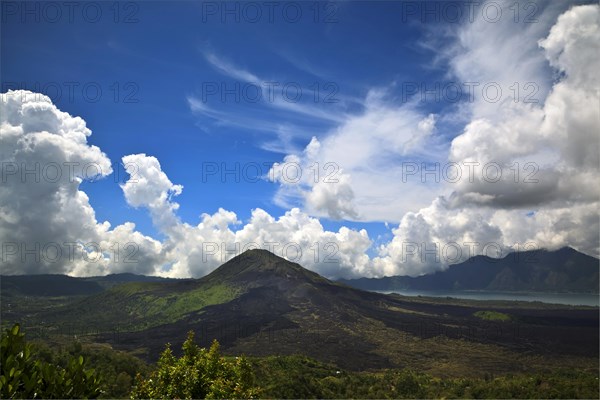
564,270
260,304
62,285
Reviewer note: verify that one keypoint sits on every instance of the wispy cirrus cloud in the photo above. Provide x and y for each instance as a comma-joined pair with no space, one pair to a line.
271,93
228,69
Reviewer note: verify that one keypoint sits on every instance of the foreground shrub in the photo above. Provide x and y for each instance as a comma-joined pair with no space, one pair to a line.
198,374
23,376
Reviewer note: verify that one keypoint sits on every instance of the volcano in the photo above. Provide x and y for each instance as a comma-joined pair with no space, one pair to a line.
260,304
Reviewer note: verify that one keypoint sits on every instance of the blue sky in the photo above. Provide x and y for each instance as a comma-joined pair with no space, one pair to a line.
348,74
156,55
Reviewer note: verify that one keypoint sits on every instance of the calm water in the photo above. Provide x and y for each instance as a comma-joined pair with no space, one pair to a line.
555,298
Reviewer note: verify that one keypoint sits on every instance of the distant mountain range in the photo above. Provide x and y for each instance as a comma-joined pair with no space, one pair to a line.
260,304
62,285
564,270
560,271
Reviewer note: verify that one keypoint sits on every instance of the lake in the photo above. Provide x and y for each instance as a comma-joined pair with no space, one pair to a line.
555,298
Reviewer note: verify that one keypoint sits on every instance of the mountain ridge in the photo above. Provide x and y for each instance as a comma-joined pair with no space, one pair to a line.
562,270
65,285
491,272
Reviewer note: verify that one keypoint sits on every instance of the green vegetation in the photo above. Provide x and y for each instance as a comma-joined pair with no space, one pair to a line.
165,308
36,370
198,374
301,377
24,376
492,316
141,305
297,376
116,368
112,374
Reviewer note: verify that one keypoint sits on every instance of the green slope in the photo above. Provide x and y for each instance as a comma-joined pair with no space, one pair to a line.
140,305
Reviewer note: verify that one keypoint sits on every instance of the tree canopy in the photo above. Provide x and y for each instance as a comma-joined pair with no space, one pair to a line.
198,374
24,376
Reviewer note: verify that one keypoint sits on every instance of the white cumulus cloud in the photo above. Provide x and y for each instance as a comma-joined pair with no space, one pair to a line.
47,224
534,167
